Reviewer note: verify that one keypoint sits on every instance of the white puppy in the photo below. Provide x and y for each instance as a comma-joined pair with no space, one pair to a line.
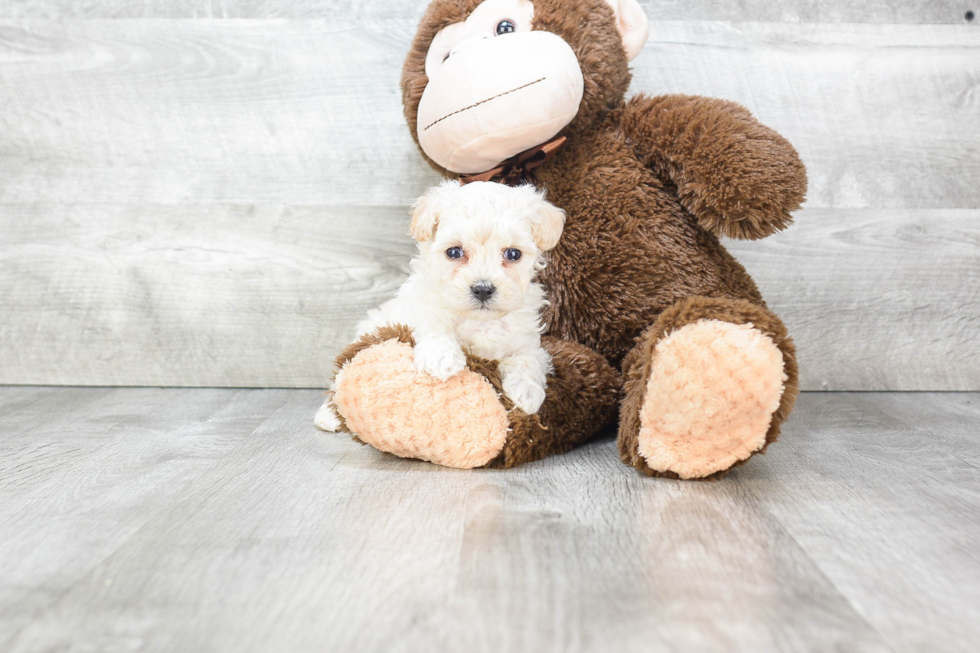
471,286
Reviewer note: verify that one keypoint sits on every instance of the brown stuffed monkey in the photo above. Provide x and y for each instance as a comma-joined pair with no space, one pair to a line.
650,320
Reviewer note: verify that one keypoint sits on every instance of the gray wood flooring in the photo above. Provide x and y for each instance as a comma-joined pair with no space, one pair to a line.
218,520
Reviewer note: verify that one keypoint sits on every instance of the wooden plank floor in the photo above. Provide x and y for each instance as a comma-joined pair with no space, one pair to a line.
213,520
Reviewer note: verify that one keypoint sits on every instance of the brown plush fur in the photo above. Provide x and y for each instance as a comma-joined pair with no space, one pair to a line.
581,399
648,186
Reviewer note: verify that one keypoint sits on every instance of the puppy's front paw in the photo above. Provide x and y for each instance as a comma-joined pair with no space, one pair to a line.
325,419
525,390
439,358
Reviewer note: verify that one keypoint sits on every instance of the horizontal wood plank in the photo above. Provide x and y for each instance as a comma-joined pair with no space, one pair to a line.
875,299
792,11
301,113
196,202
204,295
882,117
213,295
308,112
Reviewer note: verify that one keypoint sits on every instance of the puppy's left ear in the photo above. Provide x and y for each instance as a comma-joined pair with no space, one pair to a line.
425,211
547,224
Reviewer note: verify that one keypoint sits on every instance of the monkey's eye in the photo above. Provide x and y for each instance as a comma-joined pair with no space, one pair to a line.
506,27
454,252
512,254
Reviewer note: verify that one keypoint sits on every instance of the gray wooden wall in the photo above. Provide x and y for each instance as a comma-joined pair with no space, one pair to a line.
212,192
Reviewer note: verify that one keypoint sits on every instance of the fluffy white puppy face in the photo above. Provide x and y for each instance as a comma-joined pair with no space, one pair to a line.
482,243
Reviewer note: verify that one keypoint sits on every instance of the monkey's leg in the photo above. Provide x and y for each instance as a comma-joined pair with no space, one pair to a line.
466,421
706,387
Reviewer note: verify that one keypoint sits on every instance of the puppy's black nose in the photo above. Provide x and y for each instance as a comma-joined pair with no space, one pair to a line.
483,290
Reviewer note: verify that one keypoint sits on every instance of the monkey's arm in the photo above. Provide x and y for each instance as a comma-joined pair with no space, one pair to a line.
735,175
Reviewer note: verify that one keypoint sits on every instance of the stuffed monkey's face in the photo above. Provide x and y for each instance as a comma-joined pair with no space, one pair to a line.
495,87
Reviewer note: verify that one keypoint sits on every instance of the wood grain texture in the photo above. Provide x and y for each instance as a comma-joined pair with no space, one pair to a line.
308,112
199,295
213,295
85,470
214,520
217,202
791,11
146,111
888,484
876,299
882,116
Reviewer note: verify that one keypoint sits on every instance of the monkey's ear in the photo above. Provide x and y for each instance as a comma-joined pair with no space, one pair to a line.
633,24
547,225
425,211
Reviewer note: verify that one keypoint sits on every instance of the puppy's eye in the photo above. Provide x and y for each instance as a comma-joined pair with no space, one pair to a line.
512,254
505,27
454,252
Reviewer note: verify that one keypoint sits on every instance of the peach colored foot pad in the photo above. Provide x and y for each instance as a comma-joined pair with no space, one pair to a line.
712,391
458,422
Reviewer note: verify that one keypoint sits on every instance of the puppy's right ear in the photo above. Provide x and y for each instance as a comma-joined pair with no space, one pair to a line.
425,211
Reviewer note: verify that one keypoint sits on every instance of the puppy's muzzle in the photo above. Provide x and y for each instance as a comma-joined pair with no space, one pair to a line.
483,291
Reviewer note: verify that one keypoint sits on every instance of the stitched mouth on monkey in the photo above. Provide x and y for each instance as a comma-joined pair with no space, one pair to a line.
476,104
497,97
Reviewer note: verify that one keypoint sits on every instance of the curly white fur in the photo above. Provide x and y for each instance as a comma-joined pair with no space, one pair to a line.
480,222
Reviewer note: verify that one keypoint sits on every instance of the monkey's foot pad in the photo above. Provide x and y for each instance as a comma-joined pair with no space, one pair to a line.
712,391
458,422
